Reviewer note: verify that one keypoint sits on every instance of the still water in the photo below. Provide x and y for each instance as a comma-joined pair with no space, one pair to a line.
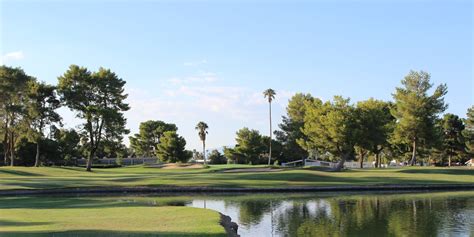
347,214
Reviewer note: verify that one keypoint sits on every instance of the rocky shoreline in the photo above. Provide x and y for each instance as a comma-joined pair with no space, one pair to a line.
229,226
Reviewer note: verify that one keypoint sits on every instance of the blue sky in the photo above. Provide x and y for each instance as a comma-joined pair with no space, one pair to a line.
187,61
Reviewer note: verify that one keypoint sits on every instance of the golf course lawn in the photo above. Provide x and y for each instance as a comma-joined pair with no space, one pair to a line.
111,216
67,177
99,218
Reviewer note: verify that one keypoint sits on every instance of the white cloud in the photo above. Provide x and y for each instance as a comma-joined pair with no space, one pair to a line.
203,77
203,97
195,63
17,55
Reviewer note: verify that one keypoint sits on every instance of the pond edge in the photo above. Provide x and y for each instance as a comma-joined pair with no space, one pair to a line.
199,189
229,226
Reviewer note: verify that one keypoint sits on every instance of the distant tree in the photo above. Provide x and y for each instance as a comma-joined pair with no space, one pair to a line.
172,148
249,147
277,149
215,157
291,127
41,112
416,111
332,127
68,144
50,154
453,139
375,126
270,95
197,155
13,99
98,99
112,149
1,149
202,132
232,155
149,136
469,131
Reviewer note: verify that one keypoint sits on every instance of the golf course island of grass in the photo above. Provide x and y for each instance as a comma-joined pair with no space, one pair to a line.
97,217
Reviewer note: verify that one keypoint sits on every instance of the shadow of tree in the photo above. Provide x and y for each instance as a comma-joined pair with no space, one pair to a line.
453,171
6,223
98,201
18,172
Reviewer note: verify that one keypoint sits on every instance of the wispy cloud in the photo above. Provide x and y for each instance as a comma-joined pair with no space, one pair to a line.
204,97
202,77
17,55
195,63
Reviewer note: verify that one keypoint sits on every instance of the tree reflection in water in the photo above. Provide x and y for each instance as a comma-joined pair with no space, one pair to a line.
366,215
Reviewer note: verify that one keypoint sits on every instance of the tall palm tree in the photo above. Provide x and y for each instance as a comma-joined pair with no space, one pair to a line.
270,95
202,128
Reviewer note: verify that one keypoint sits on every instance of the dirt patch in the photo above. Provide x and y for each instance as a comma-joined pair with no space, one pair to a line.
229,226
251,170
176,166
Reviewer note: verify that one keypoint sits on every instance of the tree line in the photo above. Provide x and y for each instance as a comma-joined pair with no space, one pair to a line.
407,128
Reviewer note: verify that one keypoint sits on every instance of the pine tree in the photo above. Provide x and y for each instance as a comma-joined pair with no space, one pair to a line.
416,111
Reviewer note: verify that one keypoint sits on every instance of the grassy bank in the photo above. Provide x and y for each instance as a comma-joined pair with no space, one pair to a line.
45,177
103,217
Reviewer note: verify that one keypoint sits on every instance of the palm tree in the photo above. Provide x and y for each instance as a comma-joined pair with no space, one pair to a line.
270,94
202,128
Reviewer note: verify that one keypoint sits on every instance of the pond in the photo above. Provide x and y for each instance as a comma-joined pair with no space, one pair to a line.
342,214
307,214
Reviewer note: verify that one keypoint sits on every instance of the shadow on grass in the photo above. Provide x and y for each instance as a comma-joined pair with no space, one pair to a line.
60,202
104,233
18,172
5,223
453,171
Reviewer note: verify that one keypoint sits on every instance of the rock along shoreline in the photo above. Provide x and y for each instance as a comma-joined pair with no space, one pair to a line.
195,189
229,226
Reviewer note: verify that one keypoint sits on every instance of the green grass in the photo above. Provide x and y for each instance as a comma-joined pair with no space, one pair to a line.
102,217
45,177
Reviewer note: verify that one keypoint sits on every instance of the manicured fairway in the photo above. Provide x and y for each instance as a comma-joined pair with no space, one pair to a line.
102,217
41,178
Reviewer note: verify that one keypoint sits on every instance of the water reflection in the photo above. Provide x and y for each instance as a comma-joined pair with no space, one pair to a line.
431,214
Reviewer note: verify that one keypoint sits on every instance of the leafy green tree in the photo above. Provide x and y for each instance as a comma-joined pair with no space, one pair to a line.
249,147
98,99
112,149
416,111
68,144
41,112
149,136
469,131
217,158
453,139
232,155
202,132
50,154
13,99
277,150
270,95
172,148
291,127
332,127
375,126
